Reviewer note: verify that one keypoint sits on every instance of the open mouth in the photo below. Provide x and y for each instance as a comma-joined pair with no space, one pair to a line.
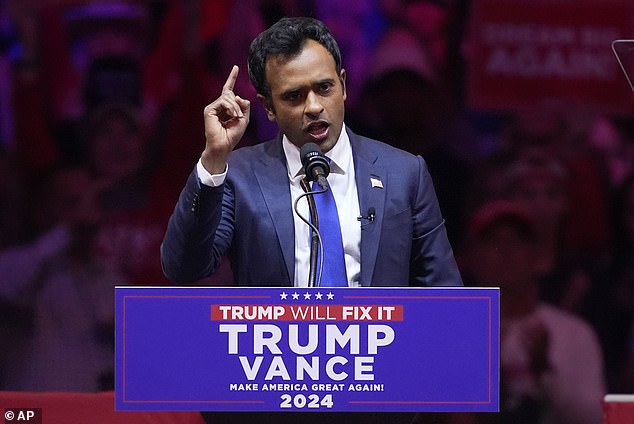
318,130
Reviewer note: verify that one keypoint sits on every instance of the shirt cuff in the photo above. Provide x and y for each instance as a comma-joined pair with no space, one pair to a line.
211,180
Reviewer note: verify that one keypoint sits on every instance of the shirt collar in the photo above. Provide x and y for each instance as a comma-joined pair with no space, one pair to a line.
340,156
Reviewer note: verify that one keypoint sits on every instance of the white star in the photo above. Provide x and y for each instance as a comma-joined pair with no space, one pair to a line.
318,296
307,295
295,296
283,296
330,296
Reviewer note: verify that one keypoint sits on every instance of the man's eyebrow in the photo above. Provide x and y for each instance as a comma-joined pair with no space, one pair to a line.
291,91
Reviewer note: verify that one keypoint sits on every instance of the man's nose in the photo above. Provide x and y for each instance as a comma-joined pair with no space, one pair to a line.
313,105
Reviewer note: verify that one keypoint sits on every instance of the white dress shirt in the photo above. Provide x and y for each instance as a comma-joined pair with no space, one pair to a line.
344,188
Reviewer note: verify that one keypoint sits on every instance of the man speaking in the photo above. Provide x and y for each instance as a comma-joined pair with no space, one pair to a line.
390,231
379,217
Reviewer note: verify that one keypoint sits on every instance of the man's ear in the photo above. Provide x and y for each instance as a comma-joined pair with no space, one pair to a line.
270,112
342,78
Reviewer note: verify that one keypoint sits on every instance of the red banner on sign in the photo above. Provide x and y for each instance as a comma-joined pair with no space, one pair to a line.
528,54
307,312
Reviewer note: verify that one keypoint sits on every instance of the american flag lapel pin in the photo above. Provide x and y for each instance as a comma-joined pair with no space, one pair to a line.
376,182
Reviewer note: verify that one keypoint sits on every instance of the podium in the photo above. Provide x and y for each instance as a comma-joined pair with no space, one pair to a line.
307,349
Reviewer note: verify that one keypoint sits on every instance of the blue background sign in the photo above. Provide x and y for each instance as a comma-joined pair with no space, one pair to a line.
318,349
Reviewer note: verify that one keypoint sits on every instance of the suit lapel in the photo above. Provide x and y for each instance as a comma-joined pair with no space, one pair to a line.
272,177
372,183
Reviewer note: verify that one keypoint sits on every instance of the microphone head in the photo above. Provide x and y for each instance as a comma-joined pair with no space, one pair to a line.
314,161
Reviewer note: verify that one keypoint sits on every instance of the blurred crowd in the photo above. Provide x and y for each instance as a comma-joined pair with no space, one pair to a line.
101,122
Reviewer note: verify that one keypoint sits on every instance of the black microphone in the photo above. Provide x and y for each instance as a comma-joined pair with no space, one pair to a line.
315,164
370,216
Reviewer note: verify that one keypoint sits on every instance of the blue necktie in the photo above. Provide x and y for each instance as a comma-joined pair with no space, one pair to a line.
334,272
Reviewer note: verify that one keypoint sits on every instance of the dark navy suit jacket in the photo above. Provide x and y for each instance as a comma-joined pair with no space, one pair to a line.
250,217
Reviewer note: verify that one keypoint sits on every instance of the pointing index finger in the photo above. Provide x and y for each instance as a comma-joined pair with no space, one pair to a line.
231,80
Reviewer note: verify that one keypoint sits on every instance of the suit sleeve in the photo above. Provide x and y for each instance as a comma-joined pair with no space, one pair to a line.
432,259
199,232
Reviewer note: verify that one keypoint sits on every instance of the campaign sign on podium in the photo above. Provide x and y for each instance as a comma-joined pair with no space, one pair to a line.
298,349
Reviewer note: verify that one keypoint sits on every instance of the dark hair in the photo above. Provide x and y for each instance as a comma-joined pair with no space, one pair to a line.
286,38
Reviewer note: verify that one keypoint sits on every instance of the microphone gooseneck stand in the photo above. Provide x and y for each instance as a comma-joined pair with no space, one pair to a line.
317,168
314,240
314,274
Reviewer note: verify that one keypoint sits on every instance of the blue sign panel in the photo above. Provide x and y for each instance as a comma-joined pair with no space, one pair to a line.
317,349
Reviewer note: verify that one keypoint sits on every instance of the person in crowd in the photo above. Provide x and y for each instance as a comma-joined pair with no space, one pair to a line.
550,360
64,292
439,28
431,22
556,134
402,77
542,165
109,100
120,157
80,54
536,172
539,180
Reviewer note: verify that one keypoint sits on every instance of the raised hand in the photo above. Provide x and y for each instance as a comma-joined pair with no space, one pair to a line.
226,120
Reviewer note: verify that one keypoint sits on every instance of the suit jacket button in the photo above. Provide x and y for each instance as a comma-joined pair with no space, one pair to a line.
195,203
